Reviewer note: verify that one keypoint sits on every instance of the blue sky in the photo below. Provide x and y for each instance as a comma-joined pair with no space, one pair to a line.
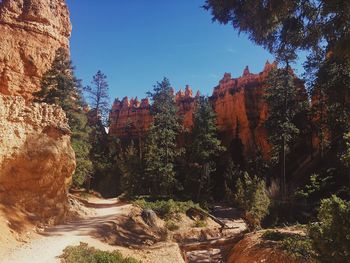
138,42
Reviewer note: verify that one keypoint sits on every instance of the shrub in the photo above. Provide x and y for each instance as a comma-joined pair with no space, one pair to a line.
294,244
85,254
251,196
331,235
166,209
171,225
274,235
299,246
200,223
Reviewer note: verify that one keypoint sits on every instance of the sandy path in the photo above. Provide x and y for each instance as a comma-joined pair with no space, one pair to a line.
50,245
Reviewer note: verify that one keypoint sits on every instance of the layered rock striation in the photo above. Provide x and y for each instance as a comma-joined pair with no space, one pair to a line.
31,31
36,157
238,103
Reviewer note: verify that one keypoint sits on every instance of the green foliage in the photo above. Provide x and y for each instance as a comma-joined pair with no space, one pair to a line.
167,208
98,97
294,244
331,235
205,147
85,254
171,225
251,196
332,90
288,24
346,155
283,104
161,147
130,165
316,185
231,175
84,165
299,246
200,223
274,235
59,86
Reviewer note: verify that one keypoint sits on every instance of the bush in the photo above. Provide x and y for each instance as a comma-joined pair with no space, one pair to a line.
85,254
200,223
166,209
274,235
299,246
294,244
331,235
251,196
171,225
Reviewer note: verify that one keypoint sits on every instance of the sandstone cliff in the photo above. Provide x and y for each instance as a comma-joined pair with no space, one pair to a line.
36,157
31,31
238,103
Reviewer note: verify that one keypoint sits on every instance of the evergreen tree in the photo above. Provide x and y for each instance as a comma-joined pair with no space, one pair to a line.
333,79
231,175
60,86
98,97
283,104
161,147
204,148
130,165
297,24
251,196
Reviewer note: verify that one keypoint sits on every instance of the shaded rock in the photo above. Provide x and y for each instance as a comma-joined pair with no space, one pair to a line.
150,217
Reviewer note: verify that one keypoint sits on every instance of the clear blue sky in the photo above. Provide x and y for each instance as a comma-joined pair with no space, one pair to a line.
138,42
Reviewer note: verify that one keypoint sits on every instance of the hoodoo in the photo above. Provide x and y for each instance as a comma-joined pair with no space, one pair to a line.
238,103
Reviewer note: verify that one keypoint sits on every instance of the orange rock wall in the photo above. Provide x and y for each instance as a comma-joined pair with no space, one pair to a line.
31,31
238,103
36,157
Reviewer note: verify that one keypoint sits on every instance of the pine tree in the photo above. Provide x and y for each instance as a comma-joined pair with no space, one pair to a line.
283,106
60,86
205,147
98,97
130,165
161,147
231,175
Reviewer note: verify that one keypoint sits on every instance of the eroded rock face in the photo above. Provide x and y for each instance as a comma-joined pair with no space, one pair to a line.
31,31
36,157
238,103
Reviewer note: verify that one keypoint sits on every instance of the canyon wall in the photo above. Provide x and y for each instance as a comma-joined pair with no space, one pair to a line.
238,103
31,31
36,157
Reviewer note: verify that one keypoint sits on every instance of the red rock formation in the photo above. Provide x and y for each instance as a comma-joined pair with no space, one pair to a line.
238,103
241,110
130,118
36,157
31,31
254,248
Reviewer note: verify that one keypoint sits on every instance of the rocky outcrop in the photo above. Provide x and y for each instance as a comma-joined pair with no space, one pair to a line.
238,103
36,157
130,118
31,31
253,248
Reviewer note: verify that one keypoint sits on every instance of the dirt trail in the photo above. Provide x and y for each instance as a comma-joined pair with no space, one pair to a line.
50,245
